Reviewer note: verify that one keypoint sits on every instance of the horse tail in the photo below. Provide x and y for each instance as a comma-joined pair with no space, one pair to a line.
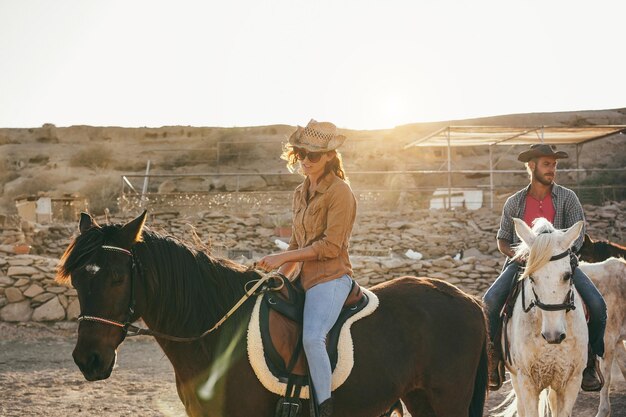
480,382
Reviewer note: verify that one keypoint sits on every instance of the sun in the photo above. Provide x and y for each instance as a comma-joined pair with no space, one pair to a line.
392,110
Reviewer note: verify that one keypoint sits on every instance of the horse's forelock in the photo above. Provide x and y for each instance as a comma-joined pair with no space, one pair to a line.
539,253
542,225
81,249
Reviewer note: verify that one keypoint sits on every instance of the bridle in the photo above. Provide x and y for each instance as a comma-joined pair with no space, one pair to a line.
127,327
130,329
568,303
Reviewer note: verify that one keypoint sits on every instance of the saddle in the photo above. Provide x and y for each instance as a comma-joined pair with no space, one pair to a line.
275,338
281,316
506,314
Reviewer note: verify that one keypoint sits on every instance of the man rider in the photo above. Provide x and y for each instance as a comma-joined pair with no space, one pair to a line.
543,198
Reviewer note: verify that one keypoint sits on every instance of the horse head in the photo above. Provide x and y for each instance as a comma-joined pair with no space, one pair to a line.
100,265
549,269
588,251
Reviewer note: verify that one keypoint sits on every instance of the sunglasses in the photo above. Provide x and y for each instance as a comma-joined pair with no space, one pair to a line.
301,154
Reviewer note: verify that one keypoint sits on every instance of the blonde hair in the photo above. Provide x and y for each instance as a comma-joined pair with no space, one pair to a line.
335,165
528,169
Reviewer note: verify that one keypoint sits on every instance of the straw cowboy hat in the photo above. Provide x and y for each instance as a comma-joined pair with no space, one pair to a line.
541,149
317,137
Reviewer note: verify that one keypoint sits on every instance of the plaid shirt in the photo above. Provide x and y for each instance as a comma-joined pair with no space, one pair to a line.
568,211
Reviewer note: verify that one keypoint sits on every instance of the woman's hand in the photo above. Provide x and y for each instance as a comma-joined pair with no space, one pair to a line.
271,262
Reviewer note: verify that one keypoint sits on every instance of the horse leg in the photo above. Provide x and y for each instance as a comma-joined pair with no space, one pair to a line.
604,409
521,411
567,397
418,405
527,396
620,355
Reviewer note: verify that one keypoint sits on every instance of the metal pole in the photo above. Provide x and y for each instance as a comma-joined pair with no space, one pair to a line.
449,169
491,176
144,190
217,162
578,150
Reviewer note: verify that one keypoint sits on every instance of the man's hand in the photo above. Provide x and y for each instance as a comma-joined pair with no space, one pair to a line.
504,246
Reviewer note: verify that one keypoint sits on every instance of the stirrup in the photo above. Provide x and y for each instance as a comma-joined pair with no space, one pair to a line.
288,407
598,381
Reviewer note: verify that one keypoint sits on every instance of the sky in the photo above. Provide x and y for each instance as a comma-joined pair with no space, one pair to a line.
361,64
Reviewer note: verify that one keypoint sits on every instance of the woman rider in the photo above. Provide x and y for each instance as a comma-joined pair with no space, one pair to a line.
324,209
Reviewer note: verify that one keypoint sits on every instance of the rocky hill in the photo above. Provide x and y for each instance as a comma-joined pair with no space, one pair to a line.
90,160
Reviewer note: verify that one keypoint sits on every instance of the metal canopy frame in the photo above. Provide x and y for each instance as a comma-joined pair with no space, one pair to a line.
491,136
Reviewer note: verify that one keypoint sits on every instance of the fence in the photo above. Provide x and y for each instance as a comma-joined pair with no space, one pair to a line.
389,190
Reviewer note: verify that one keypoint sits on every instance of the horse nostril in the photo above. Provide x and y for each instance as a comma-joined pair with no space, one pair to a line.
94,361
553,338
87,363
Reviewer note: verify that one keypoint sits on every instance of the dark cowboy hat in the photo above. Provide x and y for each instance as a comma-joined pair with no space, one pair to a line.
541,149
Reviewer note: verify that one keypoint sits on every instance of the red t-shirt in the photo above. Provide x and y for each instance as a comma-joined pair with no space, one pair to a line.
536,208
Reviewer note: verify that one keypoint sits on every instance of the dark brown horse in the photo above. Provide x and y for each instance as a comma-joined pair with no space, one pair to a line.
425,344
600,250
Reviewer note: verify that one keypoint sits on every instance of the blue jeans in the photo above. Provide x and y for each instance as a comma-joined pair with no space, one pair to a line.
322,306
496,295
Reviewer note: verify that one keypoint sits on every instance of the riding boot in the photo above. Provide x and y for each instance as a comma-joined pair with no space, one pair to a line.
593,380
496,371
326,408
495,298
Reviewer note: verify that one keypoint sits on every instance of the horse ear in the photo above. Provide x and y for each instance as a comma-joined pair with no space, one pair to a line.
572,234
524,232
86,222
131,231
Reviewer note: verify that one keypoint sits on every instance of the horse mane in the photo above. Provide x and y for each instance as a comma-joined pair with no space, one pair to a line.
540,252
185,288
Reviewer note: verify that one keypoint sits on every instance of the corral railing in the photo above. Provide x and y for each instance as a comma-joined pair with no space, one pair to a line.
375,189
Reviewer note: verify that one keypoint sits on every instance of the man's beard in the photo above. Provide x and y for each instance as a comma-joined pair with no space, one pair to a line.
542,179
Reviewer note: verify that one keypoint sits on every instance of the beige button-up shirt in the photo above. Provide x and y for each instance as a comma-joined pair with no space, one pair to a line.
323,221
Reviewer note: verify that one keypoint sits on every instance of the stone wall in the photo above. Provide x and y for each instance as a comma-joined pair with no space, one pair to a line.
28,291
380,243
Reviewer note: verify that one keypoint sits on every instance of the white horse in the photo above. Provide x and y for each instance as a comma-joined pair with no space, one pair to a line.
547,332
610,278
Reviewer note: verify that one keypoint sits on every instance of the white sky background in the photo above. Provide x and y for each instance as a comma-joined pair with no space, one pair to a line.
360,64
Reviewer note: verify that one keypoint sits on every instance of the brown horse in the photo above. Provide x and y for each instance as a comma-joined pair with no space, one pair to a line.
600,250
425,344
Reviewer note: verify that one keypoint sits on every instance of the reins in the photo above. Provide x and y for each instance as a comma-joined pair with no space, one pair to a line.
131,330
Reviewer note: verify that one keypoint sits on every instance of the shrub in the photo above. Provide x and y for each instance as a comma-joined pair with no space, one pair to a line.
7,173
94,157
198,156
39,160
47,139
102,193
129,166
35,185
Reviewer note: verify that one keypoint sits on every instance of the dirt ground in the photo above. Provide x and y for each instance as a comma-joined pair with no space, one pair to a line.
38,377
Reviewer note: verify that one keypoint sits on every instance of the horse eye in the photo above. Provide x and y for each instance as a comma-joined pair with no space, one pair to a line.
117,279
567,276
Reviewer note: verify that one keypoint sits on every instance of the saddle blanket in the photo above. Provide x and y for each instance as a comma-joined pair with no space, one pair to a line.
345,350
